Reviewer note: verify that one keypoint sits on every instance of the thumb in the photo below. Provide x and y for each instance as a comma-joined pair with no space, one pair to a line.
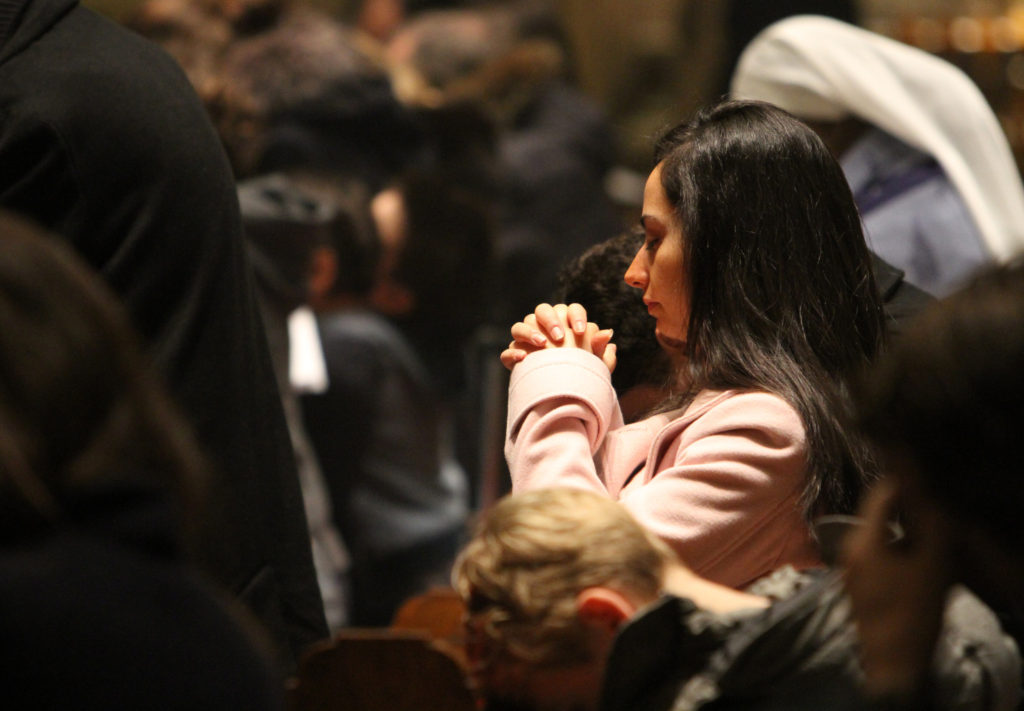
604,349
609,357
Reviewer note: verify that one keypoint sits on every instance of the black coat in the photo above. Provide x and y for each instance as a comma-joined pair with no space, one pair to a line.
901,299
97,612
104,142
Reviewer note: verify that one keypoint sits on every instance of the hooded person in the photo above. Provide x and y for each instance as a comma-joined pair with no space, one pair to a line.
931,170
104,143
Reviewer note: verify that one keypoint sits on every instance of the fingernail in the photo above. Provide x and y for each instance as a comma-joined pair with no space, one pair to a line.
557,333
580,326
538,339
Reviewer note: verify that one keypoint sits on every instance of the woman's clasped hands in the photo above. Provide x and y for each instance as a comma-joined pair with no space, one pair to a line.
558,326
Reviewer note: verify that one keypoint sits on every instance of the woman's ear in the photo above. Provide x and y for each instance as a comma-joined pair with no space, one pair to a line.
604,608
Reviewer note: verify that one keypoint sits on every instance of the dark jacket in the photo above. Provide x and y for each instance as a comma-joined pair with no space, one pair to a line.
381,432
901,299
799,653
98,612
104,142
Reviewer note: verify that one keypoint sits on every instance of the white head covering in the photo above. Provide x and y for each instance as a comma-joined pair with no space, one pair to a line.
820,69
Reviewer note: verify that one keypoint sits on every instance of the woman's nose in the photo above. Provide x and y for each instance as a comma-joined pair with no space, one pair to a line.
636,275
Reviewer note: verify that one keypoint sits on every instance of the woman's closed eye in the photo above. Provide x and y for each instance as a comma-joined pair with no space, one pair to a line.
653,232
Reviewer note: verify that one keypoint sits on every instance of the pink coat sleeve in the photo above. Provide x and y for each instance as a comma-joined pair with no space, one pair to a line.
561,408
720,483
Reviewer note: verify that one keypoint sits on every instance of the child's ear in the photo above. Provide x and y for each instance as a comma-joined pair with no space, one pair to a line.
604,607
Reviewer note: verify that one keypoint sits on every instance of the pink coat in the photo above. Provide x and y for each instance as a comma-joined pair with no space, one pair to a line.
719,481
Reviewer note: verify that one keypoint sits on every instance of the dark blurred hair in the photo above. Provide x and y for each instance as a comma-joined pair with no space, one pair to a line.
308,93
351,232
498,56
446,257
289,215
782,296
283,225
198,32
595,280
950,398
79,405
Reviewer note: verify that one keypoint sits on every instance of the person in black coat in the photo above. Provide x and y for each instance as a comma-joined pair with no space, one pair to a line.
104,142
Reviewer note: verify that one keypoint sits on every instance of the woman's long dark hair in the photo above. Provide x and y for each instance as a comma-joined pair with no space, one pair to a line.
79,405
782,294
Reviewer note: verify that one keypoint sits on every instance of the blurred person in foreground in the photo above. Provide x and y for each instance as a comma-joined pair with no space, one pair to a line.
104,142
945,409
101,489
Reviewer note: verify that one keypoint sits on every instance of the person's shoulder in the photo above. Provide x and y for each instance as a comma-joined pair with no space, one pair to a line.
362,341
975,660
774,420
87,67
101,34
797,653
83,45
757,405
111,113
358,329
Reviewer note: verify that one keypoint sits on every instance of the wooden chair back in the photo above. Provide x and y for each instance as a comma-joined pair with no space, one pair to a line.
380,670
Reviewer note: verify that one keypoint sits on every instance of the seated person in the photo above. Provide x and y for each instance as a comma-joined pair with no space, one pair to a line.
100,486
285,231
945,409
573,605
384,429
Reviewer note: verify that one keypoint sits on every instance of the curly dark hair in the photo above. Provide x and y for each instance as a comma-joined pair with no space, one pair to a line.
595,280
